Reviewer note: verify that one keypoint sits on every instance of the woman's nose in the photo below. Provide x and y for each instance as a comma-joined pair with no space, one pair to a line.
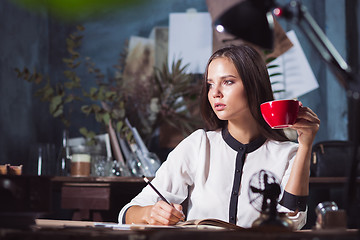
216,92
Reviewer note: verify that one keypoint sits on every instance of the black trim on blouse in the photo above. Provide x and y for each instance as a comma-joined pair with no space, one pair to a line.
124,216
294,202
242,150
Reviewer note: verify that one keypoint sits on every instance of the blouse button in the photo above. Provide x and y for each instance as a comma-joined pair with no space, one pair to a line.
235,193
241,148
237,170
232,218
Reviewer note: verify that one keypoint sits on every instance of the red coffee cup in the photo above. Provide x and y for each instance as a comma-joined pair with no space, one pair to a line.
280,113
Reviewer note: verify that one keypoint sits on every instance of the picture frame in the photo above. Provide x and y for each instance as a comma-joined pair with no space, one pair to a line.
103,139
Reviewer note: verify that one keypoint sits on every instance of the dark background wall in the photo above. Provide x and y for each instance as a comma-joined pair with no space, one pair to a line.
32,40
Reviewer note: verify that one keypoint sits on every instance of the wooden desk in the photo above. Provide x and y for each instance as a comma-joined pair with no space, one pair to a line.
87,231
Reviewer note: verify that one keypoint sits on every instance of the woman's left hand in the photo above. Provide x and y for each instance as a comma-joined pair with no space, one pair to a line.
307,124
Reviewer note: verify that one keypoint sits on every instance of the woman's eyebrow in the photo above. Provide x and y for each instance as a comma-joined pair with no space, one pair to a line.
222,77
226,76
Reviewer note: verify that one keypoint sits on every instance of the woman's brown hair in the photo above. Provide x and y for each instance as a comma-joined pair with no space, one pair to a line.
253,72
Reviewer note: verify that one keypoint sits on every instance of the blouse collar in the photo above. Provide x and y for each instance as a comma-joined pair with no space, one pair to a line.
236,145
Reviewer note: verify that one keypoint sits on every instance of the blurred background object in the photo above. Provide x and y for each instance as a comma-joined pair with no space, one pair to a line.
79,10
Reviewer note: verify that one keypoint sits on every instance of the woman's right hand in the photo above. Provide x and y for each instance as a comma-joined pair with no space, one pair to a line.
160,213
164,214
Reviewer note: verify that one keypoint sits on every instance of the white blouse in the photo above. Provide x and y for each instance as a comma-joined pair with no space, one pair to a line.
213,171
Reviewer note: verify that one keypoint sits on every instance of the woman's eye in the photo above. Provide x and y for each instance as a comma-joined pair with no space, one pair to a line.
228,82
209,85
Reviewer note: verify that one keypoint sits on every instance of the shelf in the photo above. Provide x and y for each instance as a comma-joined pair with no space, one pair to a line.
97,179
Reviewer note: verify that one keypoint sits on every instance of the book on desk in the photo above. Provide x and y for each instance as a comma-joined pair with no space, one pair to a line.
201,224
196,223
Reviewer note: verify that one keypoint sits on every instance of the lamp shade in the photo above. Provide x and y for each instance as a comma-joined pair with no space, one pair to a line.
251,21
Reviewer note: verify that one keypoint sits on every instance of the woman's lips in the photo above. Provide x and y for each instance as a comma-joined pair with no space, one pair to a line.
219,106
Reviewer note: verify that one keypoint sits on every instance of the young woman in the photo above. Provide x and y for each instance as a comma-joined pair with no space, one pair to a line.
211,168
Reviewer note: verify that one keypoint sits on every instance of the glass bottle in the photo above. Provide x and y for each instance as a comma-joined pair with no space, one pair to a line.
64,155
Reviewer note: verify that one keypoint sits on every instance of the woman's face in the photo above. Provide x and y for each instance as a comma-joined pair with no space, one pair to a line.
226,93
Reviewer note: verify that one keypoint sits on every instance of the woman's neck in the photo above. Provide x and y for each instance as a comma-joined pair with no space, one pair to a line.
244,131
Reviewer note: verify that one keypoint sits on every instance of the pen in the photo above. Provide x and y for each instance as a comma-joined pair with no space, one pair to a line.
158,193
162,197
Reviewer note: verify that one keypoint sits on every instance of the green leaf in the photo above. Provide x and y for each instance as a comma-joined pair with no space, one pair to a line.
106,118
98,117
69,74
69,99
118,113
96,108
25,74
275,74
86,109
74,54
119,126
70,43
91,135
100,94
46,93
69,85
67,60
58,111
279,91
56,107
83,131
93,91
66,122
110,94
38,78
77,80
273,66
76,65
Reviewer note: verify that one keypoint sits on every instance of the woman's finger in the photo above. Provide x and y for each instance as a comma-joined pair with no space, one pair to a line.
165,214
307,114
303,123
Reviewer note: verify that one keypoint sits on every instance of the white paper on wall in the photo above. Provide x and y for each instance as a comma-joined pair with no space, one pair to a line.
297,77
102,138
190,39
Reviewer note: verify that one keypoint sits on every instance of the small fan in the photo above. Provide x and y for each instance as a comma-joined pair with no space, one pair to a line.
264,191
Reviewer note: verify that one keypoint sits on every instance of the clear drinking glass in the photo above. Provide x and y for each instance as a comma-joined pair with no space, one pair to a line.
42,160
101,166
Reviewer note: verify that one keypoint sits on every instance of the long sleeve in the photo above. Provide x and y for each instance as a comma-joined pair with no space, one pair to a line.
201,169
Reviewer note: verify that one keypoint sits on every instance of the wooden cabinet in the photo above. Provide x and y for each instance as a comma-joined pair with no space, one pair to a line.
96,198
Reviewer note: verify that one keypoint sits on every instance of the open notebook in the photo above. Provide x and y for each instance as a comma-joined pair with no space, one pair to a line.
197,223
209,223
